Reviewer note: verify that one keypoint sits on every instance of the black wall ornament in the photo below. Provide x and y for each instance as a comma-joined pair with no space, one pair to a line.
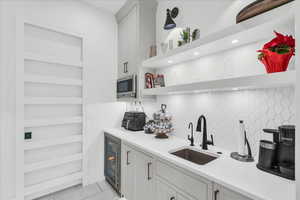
171,15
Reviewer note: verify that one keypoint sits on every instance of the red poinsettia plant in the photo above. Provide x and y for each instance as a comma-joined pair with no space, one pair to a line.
277,53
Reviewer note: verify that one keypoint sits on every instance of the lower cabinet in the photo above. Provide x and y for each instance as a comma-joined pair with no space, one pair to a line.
222,193
165,191
188,186
137,175
146,178
128,165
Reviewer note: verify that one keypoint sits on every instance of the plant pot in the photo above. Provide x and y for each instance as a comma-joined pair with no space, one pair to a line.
275,62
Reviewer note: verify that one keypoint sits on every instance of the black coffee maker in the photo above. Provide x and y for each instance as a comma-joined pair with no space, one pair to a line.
278,156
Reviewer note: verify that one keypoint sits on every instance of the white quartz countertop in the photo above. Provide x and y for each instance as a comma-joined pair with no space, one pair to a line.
243,178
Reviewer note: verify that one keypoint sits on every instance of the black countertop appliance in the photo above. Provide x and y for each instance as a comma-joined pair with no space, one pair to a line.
134,121
278,156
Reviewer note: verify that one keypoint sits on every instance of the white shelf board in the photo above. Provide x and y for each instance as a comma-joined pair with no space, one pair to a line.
280,79
52,121
52,163
253,30
52,60
52,101
75,177
31,78
47,143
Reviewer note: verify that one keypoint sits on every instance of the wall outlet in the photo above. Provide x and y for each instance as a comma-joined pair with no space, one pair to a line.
28,136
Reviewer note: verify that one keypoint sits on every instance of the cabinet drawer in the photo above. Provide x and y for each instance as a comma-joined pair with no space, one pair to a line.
200,189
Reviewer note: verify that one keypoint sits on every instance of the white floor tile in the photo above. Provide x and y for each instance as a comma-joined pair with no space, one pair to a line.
104,186
77,193
107,195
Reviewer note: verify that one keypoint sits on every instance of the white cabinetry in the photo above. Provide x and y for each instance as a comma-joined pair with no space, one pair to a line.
137,175
167,192
196,187
128,164
151,178
222,193
128,43
137,30
144,177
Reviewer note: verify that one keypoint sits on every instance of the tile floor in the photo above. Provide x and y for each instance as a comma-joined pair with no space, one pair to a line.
99,191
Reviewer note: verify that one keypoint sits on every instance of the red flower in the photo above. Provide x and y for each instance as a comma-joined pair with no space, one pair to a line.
280,40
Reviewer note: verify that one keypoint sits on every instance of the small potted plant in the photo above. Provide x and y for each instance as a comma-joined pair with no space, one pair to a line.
185,36
277,53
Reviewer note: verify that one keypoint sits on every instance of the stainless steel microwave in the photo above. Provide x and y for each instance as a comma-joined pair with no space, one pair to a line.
127,87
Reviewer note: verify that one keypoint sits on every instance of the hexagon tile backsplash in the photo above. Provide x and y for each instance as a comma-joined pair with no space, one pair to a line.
261,108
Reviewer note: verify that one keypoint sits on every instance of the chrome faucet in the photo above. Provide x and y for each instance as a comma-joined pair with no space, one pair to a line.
191,137
205,142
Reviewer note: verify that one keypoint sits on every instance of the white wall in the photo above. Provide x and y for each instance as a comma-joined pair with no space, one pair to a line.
260,109
100,30
2,118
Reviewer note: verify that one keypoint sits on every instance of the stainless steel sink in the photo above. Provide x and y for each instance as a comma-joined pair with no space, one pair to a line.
195,156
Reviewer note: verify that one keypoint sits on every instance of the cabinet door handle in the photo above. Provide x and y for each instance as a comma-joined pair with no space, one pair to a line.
127,159
216,194
149,165
125,67
172,198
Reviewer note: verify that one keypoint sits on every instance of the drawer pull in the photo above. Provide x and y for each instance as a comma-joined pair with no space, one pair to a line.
127,159
172,198
149,165
216,194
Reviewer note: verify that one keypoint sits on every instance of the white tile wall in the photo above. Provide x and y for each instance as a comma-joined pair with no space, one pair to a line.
264,108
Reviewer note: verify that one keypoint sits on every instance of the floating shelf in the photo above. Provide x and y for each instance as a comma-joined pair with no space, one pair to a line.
66,180
50,122
47,143
52,163
30,78
52,60
248,82
52,101
256,29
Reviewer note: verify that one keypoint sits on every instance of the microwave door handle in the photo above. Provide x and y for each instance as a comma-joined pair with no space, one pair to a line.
127,124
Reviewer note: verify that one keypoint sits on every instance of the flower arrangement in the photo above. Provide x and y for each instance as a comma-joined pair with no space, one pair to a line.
277,53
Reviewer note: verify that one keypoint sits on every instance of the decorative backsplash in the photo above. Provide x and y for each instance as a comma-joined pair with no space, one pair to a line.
263,108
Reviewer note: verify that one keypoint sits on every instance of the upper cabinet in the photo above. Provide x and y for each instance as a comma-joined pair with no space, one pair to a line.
128,43
137,30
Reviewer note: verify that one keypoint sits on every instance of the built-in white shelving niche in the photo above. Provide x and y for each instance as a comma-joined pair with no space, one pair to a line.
225,60
253,30
50,74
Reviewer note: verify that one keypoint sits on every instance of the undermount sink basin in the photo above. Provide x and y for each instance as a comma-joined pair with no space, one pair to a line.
195,156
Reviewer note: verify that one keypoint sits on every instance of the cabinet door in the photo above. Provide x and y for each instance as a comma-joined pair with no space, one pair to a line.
222,193
181,196
128,43
128,172
164,192
144,177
